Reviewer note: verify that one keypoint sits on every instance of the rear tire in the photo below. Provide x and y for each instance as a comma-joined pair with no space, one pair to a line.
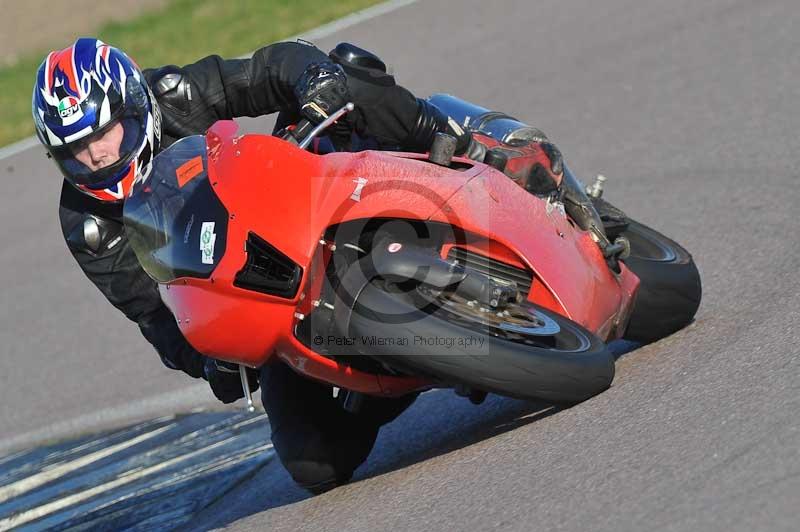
670,289
569,365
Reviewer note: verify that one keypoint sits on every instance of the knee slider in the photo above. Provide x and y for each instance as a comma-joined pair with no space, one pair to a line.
314,461
316,477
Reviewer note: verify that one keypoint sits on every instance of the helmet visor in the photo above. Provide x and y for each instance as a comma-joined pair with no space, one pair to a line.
99,160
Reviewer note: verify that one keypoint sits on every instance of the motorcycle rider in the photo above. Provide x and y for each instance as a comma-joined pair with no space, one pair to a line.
102,120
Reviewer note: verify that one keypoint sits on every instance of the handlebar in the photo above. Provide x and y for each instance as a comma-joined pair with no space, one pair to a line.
303,142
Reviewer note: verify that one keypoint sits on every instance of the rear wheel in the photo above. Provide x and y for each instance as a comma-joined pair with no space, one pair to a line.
670,289
522,351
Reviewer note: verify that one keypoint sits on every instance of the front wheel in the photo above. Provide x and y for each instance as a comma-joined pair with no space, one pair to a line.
524,351
670,290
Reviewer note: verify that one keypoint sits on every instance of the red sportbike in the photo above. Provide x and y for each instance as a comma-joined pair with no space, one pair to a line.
385,273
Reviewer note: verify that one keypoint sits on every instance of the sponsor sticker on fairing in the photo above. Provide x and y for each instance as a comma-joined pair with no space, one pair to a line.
360,183
207,240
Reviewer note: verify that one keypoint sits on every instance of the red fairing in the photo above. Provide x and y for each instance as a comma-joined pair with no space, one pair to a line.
563,258
289,197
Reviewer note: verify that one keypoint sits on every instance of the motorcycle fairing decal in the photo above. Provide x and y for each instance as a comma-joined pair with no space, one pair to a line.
360,184
189,170
207,240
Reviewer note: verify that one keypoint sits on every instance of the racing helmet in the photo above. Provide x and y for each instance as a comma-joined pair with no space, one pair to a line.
81,93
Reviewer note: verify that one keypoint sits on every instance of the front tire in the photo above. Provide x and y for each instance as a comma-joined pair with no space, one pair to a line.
565,363
670,289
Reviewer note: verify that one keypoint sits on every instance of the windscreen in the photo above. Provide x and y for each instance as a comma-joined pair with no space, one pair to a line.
175,222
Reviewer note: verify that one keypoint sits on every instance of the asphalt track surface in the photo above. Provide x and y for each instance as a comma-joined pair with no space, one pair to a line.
690,108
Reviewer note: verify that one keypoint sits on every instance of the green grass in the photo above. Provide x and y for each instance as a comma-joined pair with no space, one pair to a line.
180,33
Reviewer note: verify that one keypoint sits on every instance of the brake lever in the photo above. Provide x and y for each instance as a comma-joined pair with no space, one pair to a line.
293,136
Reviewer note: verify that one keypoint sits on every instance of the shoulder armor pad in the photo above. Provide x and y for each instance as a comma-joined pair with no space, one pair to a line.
95,235
171,88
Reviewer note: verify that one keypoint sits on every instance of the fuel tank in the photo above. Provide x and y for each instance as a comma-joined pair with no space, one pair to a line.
493,124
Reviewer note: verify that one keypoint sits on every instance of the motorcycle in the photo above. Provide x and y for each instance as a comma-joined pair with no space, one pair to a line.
387,273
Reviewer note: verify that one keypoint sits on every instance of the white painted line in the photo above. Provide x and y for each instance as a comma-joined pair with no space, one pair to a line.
177,478
18,147
20,487
193,396
36,513
355,18
317,33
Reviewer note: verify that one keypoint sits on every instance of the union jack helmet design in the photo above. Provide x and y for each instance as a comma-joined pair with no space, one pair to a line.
83,91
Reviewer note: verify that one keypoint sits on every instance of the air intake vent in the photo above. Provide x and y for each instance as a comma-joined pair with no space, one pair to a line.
492,268
267,270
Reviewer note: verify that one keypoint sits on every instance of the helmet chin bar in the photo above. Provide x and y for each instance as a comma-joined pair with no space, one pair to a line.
117,191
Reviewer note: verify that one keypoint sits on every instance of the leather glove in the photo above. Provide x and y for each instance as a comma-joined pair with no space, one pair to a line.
224,379
535,165
546,174
385,111
321,90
